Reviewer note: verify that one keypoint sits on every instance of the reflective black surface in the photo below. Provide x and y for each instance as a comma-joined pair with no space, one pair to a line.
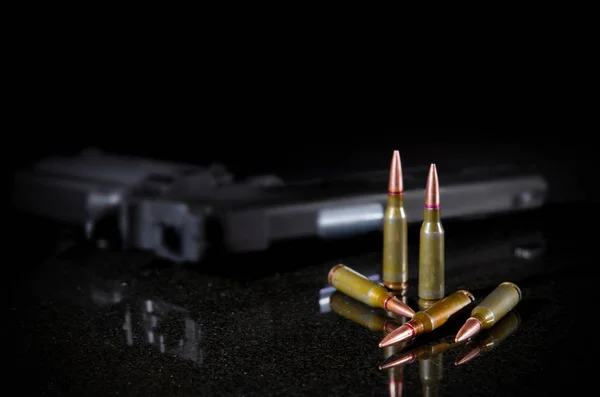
106,323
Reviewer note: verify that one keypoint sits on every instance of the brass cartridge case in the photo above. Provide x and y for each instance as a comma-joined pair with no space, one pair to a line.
439,313
395,246
361,314
357,286
495,306
431,256
366,291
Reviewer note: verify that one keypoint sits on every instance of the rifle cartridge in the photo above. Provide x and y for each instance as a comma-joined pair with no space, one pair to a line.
431,243
366,291
431,318
492,338
495,306
395,247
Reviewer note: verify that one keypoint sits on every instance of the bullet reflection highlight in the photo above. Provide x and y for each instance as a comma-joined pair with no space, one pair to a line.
491,337
326,292
431,373
423,352
359,287
353,310
431,364
395,374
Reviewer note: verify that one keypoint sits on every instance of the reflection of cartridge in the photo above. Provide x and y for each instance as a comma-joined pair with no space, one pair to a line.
431,368
431,318
424,352
491,338
431,243
360,313
495,306
395,374
366,291
395,248
431,372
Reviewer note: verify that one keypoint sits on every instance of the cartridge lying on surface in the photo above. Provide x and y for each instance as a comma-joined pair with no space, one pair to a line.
492,338
366,291
495,306
431,318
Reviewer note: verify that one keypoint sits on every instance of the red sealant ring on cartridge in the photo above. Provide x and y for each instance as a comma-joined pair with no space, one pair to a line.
411,328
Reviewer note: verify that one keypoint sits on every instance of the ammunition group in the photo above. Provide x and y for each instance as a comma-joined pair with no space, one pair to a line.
360,299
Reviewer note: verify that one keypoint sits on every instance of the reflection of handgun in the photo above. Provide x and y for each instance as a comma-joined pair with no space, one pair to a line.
169,328
169,208
180,338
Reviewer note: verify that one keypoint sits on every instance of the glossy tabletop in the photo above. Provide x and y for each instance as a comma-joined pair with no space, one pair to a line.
89,322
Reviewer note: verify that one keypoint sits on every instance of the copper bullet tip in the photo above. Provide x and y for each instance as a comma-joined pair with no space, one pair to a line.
395,184
401,334
472,327
468,357
432,191
395,305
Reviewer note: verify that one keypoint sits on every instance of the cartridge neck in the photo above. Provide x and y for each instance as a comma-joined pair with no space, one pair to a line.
432,215
395,200
479,318
417,326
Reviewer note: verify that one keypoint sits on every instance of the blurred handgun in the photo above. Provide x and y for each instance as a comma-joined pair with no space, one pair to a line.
179,210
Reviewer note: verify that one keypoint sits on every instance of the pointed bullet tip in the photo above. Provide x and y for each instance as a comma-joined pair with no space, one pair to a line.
472,326
399,335
395,184
432,190
395,305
